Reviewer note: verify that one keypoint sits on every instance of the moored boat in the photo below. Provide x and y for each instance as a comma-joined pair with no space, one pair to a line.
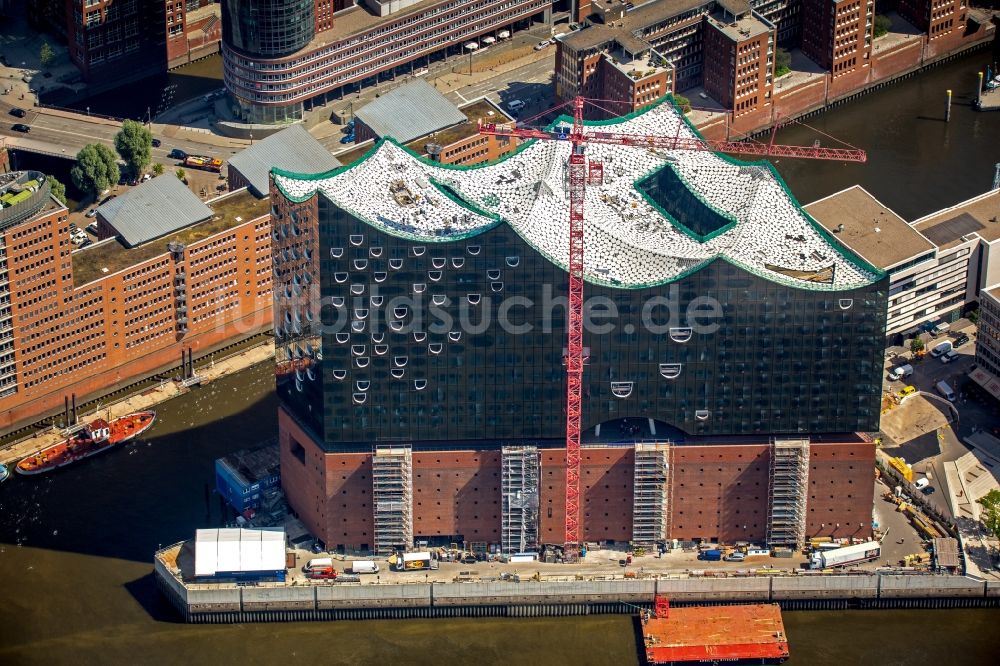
95,437
4,473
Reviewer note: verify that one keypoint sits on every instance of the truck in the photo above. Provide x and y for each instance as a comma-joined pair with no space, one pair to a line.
901,372
203,163
713,555
364,567
841,557
322,573
420,561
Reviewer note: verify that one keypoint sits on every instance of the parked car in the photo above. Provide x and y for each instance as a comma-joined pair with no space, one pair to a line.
735,557
960,340
145,177
18,112
20,127
177,154
907,390
348,128
156,143
542,44
348,139
949,356
91,213
515,105
901,372
941,349
92,228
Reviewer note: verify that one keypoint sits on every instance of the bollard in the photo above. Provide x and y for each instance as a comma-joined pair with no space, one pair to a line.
947,109
979,91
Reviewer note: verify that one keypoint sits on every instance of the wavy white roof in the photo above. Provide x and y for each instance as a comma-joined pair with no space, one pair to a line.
627,241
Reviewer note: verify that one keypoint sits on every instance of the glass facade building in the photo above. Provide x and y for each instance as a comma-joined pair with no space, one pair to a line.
268,28
459,343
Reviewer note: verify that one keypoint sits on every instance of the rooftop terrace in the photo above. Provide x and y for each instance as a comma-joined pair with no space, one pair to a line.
111,256
630,240
979,215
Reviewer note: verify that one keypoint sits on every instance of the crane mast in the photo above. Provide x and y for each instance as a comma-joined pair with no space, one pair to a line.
574,359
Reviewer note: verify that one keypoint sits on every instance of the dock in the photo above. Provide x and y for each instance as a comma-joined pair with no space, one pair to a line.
711,634
989,100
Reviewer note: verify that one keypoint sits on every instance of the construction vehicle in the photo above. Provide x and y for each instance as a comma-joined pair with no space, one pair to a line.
579,175
203,163
901,466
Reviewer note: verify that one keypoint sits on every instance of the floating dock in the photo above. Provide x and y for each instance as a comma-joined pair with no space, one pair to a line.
744,634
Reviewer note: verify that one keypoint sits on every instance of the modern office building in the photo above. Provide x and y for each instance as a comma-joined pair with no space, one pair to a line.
173,274
283,55
987,372
938,264
420,344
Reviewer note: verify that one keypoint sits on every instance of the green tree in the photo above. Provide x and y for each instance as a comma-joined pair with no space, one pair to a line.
58,189
134,142
882,25
989,516
782,62
157,169
181,175
683,103
46,55
916,344
96,169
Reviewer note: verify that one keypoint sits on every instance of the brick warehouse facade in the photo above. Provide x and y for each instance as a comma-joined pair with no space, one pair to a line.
393,434
79,322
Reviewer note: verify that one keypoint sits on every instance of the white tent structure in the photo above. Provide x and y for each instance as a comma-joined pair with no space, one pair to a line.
239,552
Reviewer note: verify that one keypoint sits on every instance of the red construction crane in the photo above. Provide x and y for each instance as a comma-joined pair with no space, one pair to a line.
578,178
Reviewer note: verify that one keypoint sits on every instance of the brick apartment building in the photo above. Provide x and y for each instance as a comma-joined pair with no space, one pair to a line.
275,68
79,322
193,30
720,45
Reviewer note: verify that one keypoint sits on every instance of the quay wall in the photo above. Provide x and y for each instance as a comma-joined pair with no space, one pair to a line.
201,603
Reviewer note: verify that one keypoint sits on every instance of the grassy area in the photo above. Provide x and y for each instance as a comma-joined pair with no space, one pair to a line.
111,256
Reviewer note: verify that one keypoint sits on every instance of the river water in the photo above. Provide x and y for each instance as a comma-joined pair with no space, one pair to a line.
76,546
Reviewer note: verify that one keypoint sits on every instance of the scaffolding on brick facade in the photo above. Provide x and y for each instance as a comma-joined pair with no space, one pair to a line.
651,494
392,498
788,492
520,471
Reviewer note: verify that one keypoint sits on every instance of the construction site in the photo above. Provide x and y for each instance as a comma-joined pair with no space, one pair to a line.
416,428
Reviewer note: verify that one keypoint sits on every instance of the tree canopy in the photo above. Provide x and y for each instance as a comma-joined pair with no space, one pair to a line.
46,55
134,142
782,62
58,189
989,516
96,169
882,25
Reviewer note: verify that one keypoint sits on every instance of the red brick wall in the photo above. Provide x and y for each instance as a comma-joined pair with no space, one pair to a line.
849,82
812,94
841,489
457,493
888,62
718,490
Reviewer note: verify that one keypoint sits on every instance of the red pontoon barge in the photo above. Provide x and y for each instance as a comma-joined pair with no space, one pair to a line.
751,634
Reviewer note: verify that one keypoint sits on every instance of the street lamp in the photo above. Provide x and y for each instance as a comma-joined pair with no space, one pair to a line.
88,110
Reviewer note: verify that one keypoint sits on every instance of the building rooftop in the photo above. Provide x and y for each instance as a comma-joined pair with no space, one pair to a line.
631,240
293,149
155,208
994,292
630,28
480,110
875,232
979,215
359,19
746,26
410,111
110,256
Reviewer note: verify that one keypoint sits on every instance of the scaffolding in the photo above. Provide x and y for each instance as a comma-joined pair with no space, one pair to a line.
520,468
392,498
651,494
787,493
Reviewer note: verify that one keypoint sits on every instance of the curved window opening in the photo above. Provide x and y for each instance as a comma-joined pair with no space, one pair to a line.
435,347
455,336
357,289
846,303
496,286
681,334
418,250
376,301
400,312
397,373
359,398
343,338
399,361
473,249
419,336
670,370
513,261
438,262
420,384
362,384
381,349
380,276
360,264
361,361
457,262
361,313
340,277
358,350
702,414
375,251
419,288
378,337
339,374
357,239
395,264
336,252
396,325
337,301
434,275
439,299
474,299
621,389
358,326
493,274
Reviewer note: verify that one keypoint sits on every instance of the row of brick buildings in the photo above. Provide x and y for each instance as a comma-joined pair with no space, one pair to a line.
107,37
725,49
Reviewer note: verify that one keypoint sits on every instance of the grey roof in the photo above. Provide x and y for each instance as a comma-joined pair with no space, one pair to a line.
292,149
409,112
153,209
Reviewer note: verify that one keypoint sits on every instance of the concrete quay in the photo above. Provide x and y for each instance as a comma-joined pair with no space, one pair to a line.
145,399
279,602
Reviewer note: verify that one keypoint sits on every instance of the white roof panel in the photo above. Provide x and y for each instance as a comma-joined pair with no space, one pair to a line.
235,550
629,242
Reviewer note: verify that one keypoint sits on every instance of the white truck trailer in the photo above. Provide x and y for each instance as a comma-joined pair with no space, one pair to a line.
861,552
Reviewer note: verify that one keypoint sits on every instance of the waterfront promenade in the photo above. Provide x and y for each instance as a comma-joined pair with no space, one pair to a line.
145,399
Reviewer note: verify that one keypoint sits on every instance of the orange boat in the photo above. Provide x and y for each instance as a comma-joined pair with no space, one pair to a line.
96,437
